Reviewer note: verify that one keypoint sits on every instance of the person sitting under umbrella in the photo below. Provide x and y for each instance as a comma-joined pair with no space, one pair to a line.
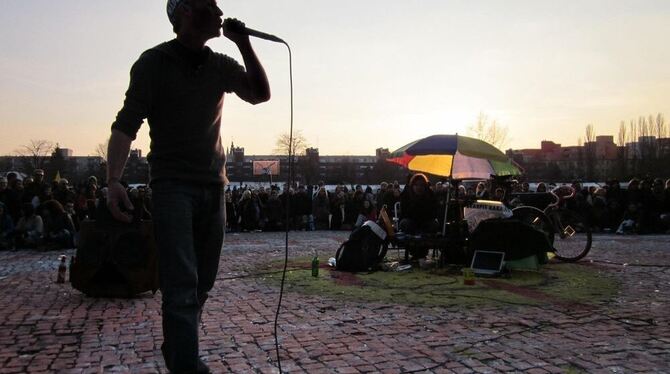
418,207
418,211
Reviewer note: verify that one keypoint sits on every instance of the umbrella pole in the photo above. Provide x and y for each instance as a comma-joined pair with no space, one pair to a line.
446,205
446,209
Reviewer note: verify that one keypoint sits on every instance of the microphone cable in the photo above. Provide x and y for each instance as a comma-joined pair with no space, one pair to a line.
287,206
290,180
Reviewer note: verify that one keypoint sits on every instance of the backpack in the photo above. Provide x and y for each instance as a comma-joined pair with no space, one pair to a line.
115,259
365,248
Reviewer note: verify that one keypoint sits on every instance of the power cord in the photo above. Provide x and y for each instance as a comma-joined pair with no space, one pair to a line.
287,205
628,264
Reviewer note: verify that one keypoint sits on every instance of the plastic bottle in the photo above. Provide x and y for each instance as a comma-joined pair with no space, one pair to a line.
62,269
73,259
315,265
468,277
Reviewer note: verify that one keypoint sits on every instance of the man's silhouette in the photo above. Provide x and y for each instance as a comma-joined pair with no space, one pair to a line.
179,86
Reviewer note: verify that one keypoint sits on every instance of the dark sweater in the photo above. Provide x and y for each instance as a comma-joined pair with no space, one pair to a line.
180,93
418,208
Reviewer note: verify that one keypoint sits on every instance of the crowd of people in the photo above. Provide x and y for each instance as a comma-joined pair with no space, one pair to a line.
39,214
643,207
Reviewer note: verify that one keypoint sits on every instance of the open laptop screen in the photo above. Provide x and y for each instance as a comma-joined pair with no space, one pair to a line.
487,262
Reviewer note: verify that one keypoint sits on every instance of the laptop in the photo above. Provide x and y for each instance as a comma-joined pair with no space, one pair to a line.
487,263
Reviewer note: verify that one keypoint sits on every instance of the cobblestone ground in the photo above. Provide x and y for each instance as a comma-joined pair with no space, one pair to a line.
48,327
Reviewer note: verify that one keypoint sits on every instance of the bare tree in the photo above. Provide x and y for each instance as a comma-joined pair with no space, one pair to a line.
590,134
622,155
491,132
101,150
634,151
644,153
647,144
661,130
298,146
37,152
635,124
590,151
579,165
622,137
661,133
643,128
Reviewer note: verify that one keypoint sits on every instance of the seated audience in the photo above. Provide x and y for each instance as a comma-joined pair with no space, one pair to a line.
274,214
63,193
321,209
643,206
13,196
139,200
482,192
6,229
35,186
45,194
3,190
615,204
499,194
69,209
29,228
655,206
249,211
303,206
368,212
231,211
633,207
648,211
599,207
337,204
58,226
665,215
352,205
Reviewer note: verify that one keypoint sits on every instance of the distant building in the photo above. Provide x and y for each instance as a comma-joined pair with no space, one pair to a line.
599,160
137,153
311,167
76,168
63,152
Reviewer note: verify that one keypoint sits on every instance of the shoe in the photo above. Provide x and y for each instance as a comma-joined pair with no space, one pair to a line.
203,368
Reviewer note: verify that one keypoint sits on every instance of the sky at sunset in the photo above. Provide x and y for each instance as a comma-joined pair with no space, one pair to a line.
367,73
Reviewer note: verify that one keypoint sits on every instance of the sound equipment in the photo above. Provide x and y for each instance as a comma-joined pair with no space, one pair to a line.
482,210
515,238
115,259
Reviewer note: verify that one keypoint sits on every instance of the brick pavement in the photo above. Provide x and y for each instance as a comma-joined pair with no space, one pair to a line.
47,327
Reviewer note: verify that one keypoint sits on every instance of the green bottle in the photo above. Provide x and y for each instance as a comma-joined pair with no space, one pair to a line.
315,266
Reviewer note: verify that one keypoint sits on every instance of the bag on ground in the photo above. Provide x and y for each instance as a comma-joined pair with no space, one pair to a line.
365,248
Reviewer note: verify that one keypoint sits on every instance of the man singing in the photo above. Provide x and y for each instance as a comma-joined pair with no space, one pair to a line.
179,86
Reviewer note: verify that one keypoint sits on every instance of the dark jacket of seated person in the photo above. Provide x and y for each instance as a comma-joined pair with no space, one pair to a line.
418,207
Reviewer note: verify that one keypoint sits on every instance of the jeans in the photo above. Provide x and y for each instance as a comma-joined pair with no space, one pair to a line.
189,221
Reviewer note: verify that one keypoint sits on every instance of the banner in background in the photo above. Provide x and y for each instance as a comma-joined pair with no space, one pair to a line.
270,167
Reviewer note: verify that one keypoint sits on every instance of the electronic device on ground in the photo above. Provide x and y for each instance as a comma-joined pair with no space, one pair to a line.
487,263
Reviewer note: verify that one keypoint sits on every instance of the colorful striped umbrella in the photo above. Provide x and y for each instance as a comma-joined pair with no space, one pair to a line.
454,156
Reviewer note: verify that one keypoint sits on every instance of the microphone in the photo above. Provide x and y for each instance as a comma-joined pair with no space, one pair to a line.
237,26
